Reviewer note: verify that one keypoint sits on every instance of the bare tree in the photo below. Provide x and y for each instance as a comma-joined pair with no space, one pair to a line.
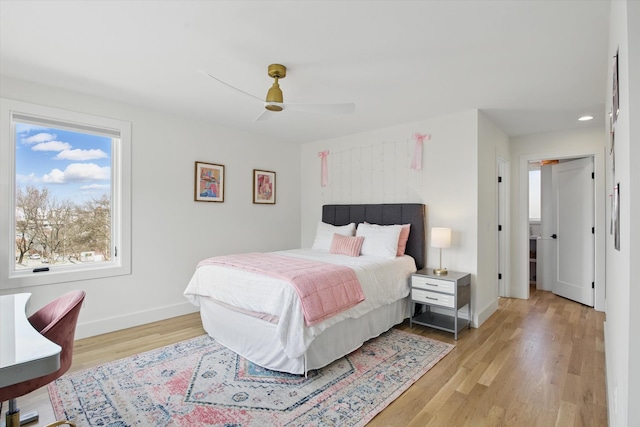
61,228
90,229
98,217
58,215
30,210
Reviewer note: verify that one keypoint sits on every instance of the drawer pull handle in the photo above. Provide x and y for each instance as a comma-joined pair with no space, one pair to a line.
435,299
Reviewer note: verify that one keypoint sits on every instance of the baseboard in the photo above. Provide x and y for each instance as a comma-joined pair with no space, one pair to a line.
111,324
481,316
611,403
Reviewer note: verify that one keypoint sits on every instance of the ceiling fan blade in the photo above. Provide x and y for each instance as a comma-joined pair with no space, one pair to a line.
323,108
264,115
232,87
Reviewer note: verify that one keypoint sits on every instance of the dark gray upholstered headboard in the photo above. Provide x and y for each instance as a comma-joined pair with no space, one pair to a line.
385,214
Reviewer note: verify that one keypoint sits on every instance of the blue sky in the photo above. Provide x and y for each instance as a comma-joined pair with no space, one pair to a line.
74,166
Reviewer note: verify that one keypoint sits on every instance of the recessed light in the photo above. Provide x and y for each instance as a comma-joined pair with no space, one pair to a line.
585,118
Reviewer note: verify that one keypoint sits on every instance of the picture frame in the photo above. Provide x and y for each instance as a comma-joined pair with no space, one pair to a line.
209,182
615,102
264,187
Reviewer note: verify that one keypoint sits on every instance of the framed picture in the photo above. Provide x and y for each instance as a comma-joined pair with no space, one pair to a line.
264,187
615,104
209,182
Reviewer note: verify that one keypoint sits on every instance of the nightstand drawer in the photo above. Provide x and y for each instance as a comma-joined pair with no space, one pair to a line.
431,284
433,298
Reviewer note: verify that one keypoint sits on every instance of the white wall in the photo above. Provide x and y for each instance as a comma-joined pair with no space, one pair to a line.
622,344
373,167
171,232
492,143
589,141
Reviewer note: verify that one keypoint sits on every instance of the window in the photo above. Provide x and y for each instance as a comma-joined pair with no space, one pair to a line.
68,198
534,194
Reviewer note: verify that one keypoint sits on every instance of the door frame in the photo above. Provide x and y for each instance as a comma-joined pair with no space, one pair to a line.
521,243
502,255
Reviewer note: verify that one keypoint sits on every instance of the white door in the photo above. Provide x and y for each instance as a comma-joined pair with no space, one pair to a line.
573,184
546,260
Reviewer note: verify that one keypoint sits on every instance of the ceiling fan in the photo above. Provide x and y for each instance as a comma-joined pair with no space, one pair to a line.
274,102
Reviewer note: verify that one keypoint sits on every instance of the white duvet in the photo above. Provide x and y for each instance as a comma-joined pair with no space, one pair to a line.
383,281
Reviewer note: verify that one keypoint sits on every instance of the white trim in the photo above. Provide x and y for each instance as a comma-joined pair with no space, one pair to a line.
503,259
120,197
520,287
116,323
481,316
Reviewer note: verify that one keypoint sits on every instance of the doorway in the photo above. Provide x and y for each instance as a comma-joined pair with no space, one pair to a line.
561,238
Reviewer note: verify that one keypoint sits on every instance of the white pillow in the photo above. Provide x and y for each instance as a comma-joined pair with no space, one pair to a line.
324,234
379,240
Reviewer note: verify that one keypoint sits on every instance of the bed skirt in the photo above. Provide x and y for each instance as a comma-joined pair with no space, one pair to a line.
255,339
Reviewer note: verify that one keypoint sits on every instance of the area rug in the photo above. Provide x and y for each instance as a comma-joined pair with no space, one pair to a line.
199,382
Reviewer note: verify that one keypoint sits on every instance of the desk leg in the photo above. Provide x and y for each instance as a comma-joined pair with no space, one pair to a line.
13,414
13,418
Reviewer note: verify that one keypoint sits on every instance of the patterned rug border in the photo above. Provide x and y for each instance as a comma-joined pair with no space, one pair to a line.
411,381
156,354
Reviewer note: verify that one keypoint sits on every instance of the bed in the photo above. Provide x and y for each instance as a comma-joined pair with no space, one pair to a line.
260,318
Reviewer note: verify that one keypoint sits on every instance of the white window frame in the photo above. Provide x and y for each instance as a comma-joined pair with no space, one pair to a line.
12,278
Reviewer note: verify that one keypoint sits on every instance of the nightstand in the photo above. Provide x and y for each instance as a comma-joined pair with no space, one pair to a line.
448,293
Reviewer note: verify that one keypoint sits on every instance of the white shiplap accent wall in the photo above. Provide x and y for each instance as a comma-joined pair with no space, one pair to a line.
374,167
375,173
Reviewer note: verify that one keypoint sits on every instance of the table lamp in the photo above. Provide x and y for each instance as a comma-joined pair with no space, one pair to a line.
440,238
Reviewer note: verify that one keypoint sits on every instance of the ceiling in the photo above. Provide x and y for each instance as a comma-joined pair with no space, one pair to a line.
531,66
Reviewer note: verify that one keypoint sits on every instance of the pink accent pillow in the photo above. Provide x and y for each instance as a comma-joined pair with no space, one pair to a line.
402,240
346,245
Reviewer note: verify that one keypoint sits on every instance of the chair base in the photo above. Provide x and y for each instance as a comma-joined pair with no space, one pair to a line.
13,419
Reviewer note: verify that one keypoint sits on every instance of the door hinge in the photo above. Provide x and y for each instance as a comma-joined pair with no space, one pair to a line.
499,179
499,227
593,230
115,251
593,285
593,175
499,276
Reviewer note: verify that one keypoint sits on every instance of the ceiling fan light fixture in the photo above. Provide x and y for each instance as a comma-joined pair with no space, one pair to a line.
274,94
272,106
274,101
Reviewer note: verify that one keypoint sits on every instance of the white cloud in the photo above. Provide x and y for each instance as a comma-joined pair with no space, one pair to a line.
56,176
51,146
86,172
80,155
95,187
78,172
39,137
26,179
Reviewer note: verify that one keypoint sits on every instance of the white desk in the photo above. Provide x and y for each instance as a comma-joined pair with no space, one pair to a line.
24,353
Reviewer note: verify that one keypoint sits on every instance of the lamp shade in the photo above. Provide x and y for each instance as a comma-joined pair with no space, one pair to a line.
440,237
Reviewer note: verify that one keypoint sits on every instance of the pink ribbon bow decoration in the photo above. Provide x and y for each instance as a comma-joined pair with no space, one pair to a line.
324,170
416,161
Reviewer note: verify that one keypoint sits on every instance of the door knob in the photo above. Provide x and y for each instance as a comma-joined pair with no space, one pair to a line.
554,236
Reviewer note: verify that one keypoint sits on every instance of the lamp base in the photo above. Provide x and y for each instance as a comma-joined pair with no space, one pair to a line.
440,271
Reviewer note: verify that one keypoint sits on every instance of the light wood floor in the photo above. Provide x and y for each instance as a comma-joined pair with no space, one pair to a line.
536,362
